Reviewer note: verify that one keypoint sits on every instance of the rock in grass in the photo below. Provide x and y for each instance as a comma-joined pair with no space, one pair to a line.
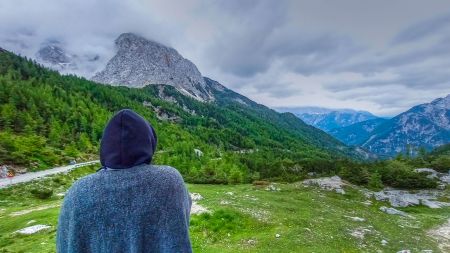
196,196
393,211
356,218
328,183
32,229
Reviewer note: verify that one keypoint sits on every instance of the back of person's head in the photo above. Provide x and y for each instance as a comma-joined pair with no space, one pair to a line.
128,140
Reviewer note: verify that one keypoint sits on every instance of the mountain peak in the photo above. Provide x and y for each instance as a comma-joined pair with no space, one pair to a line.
132,40
443,102
140,62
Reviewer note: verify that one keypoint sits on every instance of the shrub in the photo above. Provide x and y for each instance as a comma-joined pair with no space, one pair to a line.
375,182
355,174
42,193
401,175
442,163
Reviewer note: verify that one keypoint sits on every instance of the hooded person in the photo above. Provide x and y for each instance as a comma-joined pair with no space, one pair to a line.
128,205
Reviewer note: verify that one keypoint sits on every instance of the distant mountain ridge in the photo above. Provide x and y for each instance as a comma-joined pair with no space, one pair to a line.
357,133
328,119
423,126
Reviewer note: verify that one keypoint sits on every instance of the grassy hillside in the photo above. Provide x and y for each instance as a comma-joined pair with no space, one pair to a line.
245,218
48,119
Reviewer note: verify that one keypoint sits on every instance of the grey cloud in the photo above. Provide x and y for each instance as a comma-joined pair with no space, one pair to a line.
422,29
301,52
257,46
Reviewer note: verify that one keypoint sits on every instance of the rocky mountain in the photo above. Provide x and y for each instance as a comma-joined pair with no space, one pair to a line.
328,119
357,133
139,62
426,125
52,55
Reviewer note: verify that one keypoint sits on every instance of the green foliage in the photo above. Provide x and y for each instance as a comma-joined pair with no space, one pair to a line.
375,182
355,174
220,222
42,193
441,163
401,175
48,119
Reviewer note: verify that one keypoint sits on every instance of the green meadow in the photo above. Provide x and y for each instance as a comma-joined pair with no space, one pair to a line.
243,218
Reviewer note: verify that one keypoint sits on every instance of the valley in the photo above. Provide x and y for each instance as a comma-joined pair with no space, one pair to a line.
261,180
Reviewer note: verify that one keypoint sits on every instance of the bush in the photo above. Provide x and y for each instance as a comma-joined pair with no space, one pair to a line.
355,174
42,193
400,175
375,182
236,176
442,163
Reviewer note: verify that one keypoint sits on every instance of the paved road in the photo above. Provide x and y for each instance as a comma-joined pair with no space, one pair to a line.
5,182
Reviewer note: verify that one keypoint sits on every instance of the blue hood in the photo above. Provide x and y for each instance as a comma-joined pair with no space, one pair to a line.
128,140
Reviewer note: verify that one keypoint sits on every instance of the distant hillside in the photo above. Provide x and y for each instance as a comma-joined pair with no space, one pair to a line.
423,126
357,133
328,119
48,119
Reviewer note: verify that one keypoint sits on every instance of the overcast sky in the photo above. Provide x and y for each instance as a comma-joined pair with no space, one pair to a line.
379,56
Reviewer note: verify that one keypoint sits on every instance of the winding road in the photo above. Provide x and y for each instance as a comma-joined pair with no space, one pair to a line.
22,178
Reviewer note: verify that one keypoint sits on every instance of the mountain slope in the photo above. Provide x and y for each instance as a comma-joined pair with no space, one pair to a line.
140,62
357,133
328,119
48,119
426,125
225,97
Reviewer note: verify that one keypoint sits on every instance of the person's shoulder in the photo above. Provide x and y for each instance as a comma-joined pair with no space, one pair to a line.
81,185
165,172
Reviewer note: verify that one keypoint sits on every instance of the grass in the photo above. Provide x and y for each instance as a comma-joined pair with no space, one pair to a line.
245,218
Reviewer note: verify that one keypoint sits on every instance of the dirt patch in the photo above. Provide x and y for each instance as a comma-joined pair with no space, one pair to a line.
39,208
442,235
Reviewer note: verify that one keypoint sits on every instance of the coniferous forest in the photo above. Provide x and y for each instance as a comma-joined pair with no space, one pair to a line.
47,119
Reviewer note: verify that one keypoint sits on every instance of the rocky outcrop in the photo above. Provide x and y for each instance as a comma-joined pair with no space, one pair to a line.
140,62
401,198
328,183
53,54
393,211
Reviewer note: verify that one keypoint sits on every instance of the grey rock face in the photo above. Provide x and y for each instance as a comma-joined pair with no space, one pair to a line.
393,211
400,198
53,56
140,62
334,183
